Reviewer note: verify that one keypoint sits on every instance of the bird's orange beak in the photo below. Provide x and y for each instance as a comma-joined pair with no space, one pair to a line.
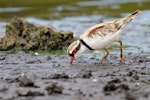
71,59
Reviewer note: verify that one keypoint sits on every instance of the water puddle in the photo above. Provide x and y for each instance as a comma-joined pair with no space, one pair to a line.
77,25
2,28
12,9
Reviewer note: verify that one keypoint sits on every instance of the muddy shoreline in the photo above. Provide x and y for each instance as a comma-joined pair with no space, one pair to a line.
25,76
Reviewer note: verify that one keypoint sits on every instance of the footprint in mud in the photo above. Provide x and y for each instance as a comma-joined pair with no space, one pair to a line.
133,74
85,74
54,88
115,86
34,61
30,93
24,81
59,76
2,57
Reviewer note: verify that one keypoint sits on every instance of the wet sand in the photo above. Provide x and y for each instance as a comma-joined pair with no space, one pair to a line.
51,77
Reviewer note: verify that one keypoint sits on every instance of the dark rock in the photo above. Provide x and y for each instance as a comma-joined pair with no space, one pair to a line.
54,88
140,61
3,89
80,93
110,87
2,58
85,74
25,82
59,76
130,73
123,87
136,77
115,81
130,96
115,86
31,93
23,35
48,58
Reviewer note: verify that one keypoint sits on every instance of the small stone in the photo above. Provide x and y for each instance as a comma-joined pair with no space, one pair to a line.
59,76
22,74
72,76
110,87
48,58
36,53
95,80
136,77
137,84
141,61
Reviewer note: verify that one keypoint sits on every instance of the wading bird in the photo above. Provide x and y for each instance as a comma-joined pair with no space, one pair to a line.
99,37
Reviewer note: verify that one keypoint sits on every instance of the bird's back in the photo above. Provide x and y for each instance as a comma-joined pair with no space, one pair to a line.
105,33
109,27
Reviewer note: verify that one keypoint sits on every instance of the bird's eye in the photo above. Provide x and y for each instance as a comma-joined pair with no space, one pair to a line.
74,52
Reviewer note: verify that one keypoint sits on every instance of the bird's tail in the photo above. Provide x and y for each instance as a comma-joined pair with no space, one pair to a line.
123,22
131,16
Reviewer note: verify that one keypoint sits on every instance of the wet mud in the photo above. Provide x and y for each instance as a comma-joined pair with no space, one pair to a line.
51,77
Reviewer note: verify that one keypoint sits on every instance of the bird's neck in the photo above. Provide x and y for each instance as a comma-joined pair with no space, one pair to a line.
83,49
85,44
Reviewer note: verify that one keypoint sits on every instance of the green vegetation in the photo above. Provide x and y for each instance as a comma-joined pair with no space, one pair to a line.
36,8
35,3
54,9
117,47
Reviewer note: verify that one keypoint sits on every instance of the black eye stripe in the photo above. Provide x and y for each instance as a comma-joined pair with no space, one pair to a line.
78,47
71,55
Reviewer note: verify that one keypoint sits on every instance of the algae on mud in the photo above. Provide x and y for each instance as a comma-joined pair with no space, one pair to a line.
23,35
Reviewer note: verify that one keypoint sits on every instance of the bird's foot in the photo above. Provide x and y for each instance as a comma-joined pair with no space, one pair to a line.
103,60
123,59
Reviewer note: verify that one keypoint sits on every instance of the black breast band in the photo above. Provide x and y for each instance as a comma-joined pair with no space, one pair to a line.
86,45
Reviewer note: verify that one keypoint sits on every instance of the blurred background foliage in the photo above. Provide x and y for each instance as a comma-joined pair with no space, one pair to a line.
55,9
71,15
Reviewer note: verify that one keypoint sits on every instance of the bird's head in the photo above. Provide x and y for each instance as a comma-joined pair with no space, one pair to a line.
74,50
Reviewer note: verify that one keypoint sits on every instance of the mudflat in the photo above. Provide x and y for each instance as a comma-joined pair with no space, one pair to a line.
50,77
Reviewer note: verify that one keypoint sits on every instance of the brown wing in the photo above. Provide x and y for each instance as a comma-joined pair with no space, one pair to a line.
109,27
101,29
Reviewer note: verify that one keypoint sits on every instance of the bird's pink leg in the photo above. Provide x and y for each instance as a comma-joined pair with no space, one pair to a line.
122,57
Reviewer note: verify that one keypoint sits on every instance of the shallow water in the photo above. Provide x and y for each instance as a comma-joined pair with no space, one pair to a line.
80,15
